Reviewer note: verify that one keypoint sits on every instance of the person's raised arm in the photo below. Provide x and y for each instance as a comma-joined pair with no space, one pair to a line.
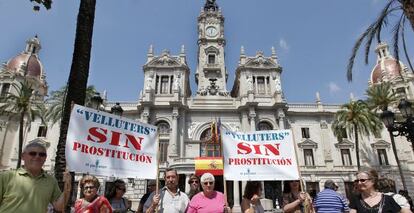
59,204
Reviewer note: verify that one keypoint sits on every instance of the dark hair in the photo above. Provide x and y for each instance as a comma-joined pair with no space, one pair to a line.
193,177
286,186
329,184
252,187
386,185
373,175
117,183
171,170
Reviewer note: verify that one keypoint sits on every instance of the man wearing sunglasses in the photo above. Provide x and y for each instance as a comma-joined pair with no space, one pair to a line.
30,188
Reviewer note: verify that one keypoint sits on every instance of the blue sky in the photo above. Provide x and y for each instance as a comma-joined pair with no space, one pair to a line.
313,40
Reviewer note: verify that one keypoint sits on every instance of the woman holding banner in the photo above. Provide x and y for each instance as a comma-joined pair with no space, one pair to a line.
91,202
251,198
294,200
208,200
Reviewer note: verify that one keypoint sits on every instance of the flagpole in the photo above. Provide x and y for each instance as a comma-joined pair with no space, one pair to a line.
158,169
297,162
220,141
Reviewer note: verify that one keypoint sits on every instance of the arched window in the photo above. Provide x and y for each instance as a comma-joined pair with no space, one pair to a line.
163,127
263,125
209,146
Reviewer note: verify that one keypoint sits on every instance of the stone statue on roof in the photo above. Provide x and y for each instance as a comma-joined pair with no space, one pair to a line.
210,4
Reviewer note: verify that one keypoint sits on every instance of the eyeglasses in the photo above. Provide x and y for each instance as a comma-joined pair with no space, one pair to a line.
121,188
361,180
40,154
88,187
208,183
193,181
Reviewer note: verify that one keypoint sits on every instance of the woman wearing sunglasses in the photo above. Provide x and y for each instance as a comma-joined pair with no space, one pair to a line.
370,199
294,199
194,182
91,201
208,200
116,197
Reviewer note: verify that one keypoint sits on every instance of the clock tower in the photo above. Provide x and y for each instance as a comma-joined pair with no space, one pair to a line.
211,74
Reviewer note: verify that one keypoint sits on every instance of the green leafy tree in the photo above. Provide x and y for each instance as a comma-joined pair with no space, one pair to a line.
56,100
380,96
403,10
22,104
356,119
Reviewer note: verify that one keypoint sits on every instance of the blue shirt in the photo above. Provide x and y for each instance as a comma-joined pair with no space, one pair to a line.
330,201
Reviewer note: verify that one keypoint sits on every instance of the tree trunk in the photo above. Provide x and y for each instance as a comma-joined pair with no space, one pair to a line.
408,7
21,126
78,78
357,146
394,149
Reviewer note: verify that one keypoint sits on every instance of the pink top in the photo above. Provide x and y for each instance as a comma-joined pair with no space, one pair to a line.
203,204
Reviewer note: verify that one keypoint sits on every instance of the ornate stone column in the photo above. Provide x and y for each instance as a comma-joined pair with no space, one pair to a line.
173,140
187,186
236,191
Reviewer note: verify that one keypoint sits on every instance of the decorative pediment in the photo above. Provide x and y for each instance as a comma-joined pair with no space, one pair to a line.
165,60
308,144
260,61
380,144
212,49
41,141
344,144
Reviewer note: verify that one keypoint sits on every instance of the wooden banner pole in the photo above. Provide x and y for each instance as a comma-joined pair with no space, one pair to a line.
158,169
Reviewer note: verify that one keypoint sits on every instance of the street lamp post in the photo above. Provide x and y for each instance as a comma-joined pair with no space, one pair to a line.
404,128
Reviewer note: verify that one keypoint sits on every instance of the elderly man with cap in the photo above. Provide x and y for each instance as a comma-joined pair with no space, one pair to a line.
31,189
329,200
208,200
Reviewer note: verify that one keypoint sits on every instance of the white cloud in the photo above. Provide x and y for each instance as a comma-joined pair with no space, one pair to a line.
283,44
333,87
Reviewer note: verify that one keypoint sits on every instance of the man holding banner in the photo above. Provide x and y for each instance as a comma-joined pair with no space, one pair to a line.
170,199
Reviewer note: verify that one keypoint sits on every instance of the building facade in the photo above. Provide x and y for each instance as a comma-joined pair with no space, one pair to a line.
255,102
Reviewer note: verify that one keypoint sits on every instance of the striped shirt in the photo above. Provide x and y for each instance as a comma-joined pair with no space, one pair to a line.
330,201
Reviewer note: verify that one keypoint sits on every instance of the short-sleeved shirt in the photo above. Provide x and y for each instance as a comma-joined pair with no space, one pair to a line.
202,204
169,203
21,192
329,200
388,205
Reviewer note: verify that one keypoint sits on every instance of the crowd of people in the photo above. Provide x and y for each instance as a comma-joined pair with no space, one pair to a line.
31,189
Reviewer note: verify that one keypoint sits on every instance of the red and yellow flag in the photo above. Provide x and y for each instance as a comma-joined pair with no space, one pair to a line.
213,165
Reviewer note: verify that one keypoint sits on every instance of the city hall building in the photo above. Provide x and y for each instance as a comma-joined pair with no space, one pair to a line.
255,102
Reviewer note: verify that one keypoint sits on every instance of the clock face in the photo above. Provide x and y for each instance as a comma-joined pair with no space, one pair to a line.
211,31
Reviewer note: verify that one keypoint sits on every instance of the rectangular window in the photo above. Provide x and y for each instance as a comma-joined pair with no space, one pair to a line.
382,157
42,131
211,59
346,157
308,154
164,85
210,150
163,151
305,132
261,85
4,90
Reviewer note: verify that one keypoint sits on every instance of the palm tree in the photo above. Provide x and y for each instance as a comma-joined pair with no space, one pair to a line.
356,118
55,110
21,103
78,76
404,9
381,96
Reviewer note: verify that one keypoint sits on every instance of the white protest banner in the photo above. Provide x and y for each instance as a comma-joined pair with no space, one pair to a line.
261,155
104,144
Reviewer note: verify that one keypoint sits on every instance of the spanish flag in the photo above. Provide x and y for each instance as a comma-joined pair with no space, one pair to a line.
213,165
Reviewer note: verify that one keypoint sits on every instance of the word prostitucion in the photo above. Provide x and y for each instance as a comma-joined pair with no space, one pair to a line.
100,135
262,148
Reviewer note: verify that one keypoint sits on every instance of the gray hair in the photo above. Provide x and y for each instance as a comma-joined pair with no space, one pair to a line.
207,177
33,145
329,184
